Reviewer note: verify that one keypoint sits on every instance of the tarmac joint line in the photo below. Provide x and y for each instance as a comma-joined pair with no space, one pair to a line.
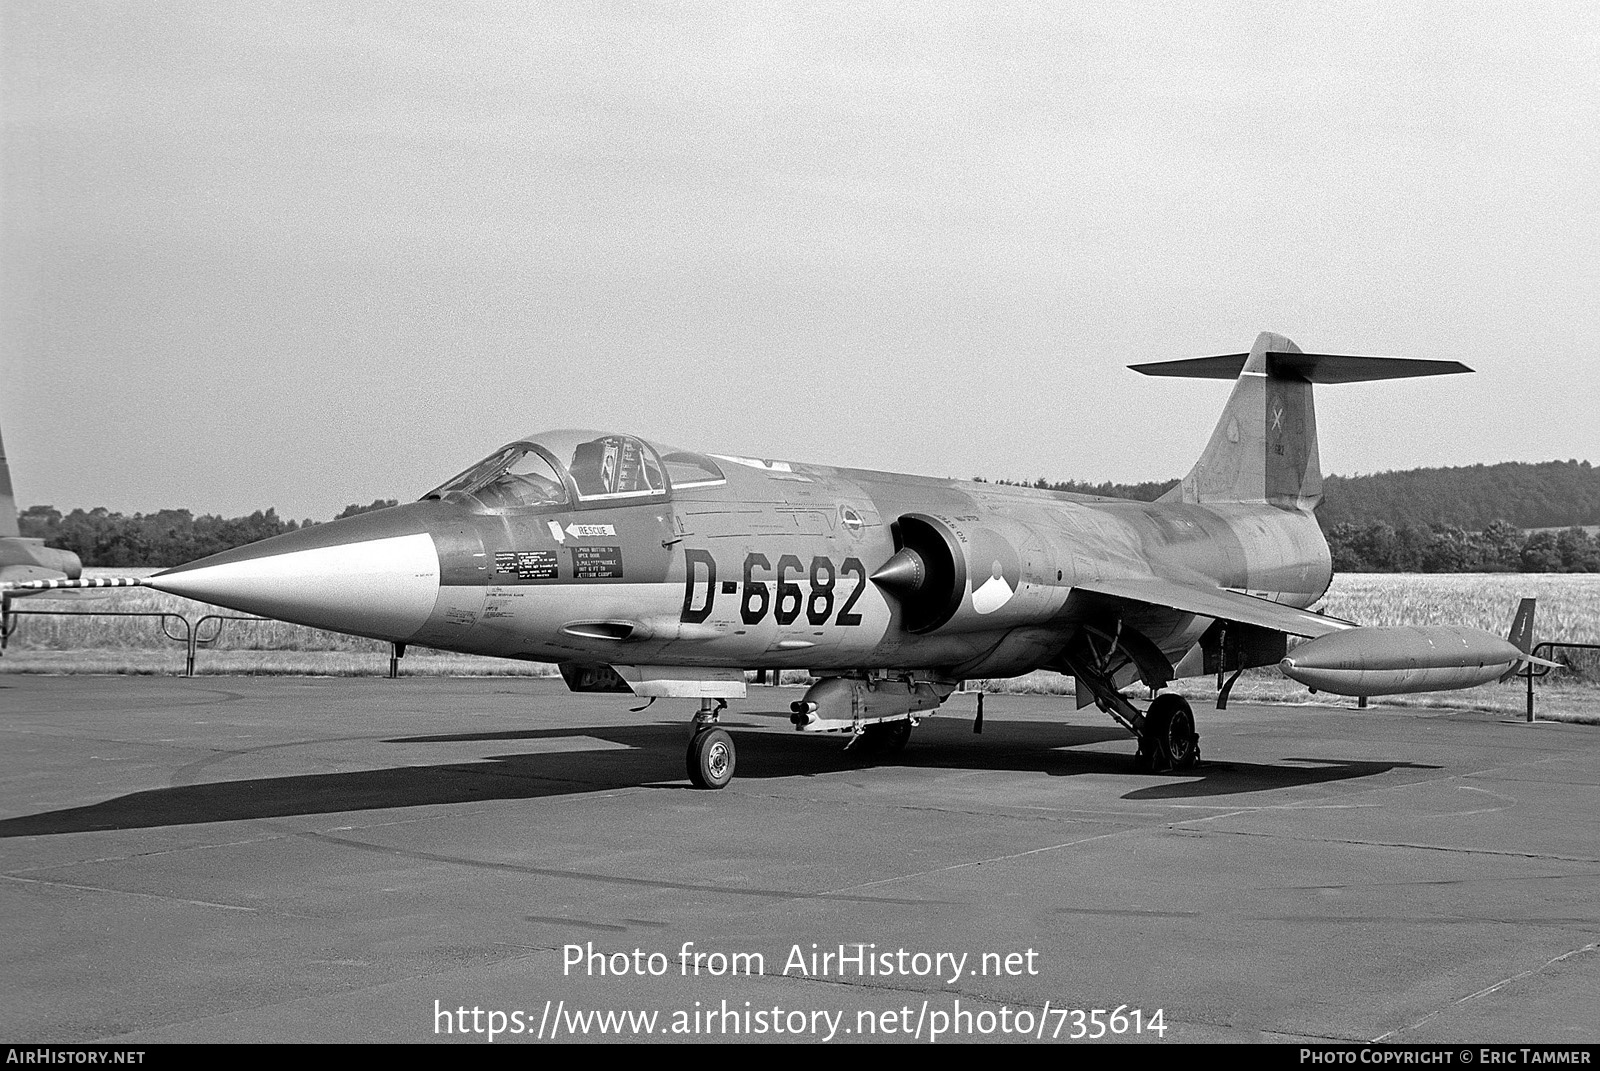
609,879
1592,946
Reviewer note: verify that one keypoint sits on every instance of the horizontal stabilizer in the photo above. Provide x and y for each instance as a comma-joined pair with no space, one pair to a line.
1311,367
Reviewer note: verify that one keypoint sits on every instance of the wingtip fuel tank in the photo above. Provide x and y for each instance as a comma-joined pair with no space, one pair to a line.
1399,660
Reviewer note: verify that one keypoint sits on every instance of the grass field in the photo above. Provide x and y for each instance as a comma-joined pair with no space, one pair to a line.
1569,609
1569,603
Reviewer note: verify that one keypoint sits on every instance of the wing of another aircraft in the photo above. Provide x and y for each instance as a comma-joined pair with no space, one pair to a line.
1219,603
25,559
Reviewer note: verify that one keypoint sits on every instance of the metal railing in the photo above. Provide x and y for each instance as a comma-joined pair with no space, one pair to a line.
1545,650
198,639
9,623
193,636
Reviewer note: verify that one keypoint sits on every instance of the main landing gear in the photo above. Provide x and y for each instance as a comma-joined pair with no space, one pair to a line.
1168,741
711,755
1165,731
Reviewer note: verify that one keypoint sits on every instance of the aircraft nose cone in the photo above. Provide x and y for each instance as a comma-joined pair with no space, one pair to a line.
374,574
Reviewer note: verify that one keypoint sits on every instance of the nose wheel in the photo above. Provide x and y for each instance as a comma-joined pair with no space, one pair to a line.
711,755
711,758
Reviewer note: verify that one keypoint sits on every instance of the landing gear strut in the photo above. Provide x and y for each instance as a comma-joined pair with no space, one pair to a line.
711,755
1165,731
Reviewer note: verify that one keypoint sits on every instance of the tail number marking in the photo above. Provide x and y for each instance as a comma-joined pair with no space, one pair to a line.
783,596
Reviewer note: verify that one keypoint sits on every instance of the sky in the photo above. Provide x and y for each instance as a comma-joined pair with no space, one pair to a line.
302,255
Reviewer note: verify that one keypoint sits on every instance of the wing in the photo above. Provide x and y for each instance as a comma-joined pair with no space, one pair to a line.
1219,603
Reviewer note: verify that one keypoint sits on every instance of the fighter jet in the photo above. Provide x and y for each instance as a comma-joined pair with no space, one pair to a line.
27,559
666,573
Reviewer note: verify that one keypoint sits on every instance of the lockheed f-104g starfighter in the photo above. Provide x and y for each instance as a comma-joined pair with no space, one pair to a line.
639,567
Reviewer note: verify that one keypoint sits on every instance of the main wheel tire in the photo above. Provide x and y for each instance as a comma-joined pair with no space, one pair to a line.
711,758
885,738
1169,729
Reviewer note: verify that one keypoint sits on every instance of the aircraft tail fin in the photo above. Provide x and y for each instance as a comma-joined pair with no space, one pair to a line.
1264,448
8,500
1521,634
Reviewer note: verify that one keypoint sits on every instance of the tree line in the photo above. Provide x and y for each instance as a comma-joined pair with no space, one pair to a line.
100,537
1502,547
1549,494
1478,518
1474,519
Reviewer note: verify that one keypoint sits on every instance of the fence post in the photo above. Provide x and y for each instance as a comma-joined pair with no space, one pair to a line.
1528,672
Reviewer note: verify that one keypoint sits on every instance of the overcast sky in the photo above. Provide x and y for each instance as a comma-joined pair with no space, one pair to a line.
301,255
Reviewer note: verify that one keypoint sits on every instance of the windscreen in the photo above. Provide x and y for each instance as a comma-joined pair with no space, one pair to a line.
517,476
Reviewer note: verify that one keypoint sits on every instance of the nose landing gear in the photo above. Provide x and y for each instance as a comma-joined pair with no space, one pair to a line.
711,756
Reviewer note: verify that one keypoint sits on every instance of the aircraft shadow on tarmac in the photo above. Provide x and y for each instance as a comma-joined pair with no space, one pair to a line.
652,755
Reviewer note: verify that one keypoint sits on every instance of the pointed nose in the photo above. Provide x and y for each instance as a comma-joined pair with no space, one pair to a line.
375,574
902,574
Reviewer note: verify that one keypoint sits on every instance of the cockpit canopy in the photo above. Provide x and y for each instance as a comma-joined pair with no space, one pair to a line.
578,469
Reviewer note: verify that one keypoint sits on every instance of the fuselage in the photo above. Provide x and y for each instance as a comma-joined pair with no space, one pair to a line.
712,561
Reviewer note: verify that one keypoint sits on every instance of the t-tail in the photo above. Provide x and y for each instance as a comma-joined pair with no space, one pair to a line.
1264,448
